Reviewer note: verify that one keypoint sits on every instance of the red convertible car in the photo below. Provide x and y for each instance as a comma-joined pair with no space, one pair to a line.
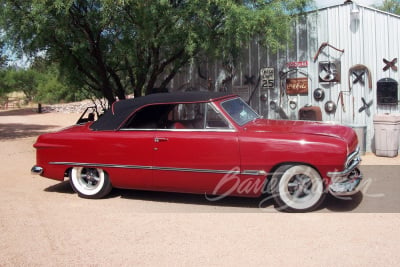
203,143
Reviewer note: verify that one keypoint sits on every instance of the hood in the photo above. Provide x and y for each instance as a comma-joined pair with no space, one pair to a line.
344,133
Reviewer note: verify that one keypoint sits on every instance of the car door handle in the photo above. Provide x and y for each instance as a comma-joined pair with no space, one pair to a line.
160,139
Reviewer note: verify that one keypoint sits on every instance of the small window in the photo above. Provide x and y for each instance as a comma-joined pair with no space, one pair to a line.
215,119
239,111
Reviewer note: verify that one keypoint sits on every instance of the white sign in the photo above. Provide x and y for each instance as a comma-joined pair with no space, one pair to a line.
267,78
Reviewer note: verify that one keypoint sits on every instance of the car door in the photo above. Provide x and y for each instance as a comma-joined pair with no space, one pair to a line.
127,156
197,157
130,150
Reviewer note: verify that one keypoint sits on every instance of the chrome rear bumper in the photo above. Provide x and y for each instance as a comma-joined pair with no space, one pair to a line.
36,170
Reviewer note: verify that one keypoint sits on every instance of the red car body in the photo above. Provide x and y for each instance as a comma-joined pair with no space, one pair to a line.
133,146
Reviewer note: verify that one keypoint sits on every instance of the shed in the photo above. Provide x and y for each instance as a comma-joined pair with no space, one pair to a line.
343,50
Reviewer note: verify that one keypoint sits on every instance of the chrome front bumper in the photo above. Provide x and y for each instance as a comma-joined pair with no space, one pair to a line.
36,170
346,186
349,181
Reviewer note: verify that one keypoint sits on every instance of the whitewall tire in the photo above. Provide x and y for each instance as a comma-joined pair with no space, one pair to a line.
90,182
297,188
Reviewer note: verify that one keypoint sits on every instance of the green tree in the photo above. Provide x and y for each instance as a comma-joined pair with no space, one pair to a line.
40,82
392,6
3,85
3,61
3,57
21,80
3,64
116,47
52,88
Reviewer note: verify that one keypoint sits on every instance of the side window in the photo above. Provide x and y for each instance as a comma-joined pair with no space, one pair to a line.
215,119
186,116
150,117
177,116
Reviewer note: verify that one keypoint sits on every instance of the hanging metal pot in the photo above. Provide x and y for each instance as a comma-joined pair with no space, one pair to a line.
319,94
293,103
330,107
264,97
273,105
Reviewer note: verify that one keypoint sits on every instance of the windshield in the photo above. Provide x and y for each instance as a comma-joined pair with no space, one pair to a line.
239,111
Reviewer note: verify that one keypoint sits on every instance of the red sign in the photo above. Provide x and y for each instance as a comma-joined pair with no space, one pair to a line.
296,86
299,64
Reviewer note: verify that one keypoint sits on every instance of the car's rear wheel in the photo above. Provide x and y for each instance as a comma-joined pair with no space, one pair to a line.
297,188
90,182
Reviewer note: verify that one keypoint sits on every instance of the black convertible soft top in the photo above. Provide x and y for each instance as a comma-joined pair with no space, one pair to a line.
123,109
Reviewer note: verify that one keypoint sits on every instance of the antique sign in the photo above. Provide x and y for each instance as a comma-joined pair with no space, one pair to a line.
299,64
267,78
295,86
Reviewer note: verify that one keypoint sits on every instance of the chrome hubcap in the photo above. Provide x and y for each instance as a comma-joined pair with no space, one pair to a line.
300,186
90,177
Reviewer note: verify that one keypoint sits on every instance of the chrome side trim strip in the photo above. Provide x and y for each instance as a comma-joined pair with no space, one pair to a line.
254,172
101,165
232,171
196,170
181,130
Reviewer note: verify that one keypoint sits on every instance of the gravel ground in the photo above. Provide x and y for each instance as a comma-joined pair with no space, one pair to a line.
43,223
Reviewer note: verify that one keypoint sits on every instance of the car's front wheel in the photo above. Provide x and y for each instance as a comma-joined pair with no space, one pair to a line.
90,182
297,188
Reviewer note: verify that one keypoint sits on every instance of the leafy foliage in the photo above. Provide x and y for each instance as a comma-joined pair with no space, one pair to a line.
118,47
41,83
392,6
22,80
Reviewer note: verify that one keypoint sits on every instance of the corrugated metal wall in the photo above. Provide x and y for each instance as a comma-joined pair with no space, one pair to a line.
374,36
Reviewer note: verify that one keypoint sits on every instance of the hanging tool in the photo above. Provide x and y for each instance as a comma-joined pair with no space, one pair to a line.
359,67
322,47
365,106
249,79
390,64
359,77
340,97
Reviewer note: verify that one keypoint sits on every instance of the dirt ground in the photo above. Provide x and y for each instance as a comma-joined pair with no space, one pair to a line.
42,222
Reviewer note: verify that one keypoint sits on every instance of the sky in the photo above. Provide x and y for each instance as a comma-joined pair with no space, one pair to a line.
327,3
